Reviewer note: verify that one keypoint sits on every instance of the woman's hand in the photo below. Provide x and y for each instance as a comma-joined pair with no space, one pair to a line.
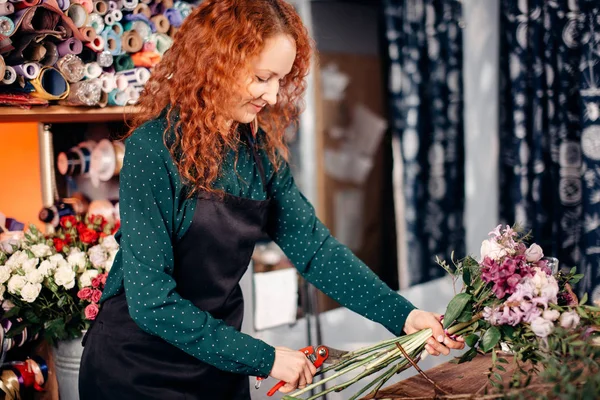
439,342
292,367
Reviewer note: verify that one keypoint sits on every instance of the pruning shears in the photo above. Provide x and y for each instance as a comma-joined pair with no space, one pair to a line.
319,356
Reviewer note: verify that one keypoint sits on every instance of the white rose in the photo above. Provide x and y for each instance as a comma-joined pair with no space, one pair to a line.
534,253
492,249
18,258
5,273
56,259
65,276
31,291
111,259
34,276
109,243
540,280
542,327
30,264
41,250
9,245
2,290
86,278
46,268
569,320
98,256
16,283
77,259
551,315
550,291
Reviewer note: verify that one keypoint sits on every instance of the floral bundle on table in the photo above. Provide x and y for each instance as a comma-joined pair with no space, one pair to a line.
514,304
53,283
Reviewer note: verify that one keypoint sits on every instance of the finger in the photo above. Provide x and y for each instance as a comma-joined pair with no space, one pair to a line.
308,374
312,368
439,347
288,387
431,350
453,344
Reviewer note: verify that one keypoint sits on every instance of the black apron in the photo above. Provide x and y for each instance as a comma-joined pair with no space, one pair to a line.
120,361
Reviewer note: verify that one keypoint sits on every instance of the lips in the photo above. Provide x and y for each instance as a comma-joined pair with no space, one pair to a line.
256,107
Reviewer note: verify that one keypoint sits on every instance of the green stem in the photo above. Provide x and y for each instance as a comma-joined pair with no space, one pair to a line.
383,377
476,292
453,329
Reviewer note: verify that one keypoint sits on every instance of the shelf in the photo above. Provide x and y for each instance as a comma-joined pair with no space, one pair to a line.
53,114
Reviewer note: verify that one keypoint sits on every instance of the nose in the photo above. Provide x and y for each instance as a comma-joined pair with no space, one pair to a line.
270,95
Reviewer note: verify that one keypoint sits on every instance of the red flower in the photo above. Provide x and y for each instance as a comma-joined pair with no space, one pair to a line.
103,278
91,311
58,244
98,220
88,236
68,221
96,281
96,295
68,239
85,293
116,227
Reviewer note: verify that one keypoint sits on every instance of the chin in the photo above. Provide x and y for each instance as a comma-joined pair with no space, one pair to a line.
246,118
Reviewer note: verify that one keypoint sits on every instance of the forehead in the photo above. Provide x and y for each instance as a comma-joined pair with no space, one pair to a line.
278,55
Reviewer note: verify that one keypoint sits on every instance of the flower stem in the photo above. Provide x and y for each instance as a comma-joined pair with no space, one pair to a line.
453,329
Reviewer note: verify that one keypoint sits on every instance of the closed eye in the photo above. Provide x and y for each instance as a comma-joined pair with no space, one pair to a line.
261,80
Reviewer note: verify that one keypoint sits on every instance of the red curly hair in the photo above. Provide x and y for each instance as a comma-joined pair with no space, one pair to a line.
199,76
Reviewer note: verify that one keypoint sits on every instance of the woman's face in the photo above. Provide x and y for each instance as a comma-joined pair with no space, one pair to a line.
267,71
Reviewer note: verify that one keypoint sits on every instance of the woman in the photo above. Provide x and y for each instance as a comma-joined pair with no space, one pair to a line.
199,186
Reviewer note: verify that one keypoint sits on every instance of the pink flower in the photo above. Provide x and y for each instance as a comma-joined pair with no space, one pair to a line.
96,281
91,311
534,253
96,295
506,275
85,293
103,278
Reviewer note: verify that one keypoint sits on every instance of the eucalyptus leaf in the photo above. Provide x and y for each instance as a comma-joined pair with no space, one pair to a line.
455,308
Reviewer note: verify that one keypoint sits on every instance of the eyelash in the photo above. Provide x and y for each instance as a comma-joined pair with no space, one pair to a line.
262,80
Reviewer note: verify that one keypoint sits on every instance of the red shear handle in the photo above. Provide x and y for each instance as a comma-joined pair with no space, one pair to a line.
309,353
316,357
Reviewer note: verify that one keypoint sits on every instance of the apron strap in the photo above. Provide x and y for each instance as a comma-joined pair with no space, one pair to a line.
259,164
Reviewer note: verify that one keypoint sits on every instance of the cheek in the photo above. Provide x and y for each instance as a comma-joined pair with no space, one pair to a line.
254,91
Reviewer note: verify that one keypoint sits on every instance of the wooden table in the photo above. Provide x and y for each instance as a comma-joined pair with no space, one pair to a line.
466,378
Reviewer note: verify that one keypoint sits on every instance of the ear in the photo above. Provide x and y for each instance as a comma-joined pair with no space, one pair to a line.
254,126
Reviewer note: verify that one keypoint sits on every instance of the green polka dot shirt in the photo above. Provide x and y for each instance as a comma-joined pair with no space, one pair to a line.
155,213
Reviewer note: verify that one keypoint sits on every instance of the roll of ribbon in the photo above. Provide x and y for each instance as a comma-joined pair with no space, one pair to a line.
97,22
51,56
87,5
185,8
113,16
117,98
2,66
77,14
7,26
9,8
88,32
141,27
103,102
28,70
70,46
162,42
100,7
104,161
129,5
63,4
84,93
105,59
76,161
118,28
50,84
146,59
136,76
10,76
174,17
113,5
143,9
132,42
108,82
133,94
149,46
161,23
97,44
92,70
112,42
121,82
72,68
123,62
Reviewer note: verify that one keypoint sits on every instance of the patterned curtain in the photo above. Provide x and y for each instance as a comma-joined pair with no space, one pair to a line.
550,127
426,99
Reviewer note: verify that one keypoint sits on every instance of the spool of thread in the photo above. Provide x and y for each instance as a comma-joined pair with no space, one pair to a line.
7,26
71,67
118,28
97,22
76,161
161,23
174,17
104,59
100,7
92,70
123,62
88,33
113,16
129,5
84,93
117,98
28,70
10,76
9,8
108,82
64,4
69,46
131,42
97,44
78,14
143,9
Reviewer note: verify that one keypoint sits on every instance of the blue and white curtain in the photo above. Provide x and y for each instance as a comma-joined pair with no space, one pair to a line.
426,98
550,127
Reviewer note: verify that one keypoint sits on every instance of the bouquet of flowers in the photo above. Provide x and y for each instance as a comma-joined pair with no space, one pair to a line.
53,283
512,305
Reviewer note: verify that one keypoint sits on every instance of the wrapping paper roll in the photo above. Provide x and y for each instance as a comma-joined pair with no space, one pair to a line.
2,66
64,4
136,76
10,76
112,42
97,22
161,23
7,26
77,14
123,62
100,7
92,70
118,28
133,95
142,27
88,32
132,42
71,67
51,56
121,82
117,98
87,5
108,82
162,42
69,46
174,16
97,44
27,70
113,16
129,5
9,8
143,9
50,84
104,59
84,93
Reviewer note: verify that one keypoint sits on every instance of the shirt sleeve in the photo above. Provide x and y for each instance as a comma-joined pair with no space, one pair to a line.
148,199
326,263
